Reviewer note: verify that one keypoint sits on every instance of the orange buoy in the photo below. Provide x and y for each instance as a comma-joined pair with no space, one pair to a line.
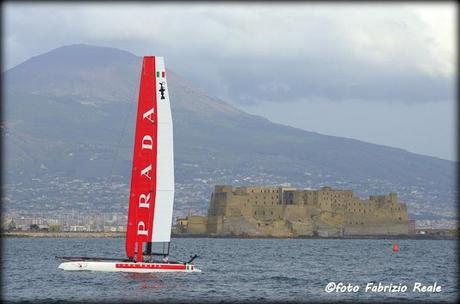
395,247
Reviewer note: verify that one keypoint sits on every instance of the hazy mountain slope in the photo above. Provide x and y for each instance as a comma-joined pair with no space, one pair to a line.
71,112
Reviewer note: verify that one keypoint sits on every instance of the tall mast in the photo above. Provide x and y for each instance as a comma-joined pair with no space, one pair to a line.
152,180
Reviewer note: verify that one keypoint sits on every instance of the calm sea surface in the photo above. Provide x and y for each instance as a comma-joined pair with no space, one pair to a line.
234,270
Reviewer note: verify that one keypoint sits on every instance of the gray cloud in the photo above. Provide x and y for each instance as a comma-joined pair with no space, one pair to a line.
299,64
259,52
331,80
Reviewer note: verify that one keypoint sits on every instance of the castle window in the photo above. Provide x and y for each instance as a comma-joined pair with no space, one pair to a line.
255,212
400,218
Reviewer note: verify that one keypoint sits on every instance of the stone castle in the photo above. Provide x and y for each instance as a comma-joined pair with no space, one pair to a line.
290,212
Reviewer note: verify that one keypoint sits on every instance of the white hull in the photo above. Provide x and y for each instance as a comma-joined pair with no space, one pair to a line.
113,266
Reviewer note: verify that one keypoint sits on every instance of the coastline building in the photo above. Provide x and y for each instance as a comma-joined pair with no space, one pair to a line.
291,212
192,224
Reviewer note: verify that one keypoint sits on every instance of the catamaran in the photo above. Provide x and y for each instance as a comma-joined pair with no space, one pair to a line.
152,185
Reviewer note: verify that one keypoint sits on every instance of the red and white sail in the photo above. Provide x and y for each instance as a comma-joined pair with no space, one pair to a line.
152,181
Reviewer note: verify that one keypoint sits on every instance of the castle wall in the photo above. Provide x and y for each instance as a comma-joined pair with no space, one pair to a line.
282,211
197,224
377,229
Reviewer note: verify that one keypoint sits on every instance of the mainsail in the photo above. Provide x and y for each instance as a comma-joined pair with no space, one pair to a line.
152,180
152,184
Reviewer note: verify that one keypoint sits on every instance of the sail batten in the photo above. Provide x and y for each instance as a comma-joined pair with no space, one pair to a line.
152,180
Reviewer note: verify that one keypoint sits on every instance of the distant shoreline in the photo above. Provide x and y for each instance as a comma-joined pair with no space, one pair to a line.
62,234
347,237
71,234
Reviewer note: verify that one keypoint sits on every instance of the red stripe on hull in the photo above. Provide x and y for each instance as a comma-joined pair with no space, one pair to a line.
151,266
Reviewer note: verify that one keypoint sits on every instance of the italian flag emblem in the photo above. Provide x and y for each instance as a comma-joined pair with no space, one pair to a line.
161,74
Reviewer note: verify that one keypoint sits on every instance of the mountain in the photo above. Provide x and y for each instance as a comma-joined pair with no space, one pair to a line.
69,114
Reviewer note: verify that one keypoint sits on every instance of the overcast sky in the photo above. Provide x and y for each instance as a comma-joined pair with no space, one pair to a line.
382,73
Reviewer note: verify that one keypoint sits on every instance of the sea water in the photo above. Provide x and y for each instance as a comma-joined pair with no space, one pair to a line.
246,270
